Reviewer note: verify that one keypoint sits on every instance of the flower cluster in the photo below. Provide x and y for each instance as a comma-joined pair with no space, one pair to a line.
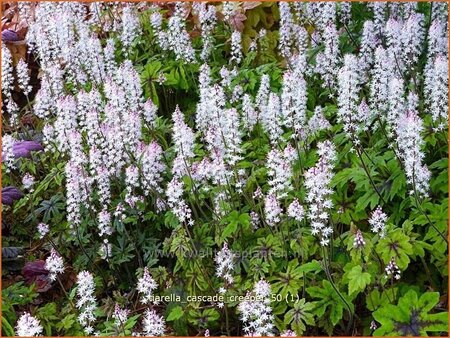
288,333
369,42
378,221
183,138
359,242
392,270
271,116
437,90
327,61
318,122
23,78
292,35
176,202
54,264
250,113
381,78
412,36
130,26
286,27
175,38
257,315
152,166
396,102
28,326
280,172
317,181
225,263
410,142
272,210
236,52
77,192
43,229
7,72
294,96
104,221
8,155
208,20
349,114
28,181
120,315
153,324
86,303
296,210
146,284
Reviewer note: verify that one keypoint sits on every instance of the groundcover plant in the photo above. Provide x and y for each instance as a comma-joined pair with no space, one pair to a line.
226,168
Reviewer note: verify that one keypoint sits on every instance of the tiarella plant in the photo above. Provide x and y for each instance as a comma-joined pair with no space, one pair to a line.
225,168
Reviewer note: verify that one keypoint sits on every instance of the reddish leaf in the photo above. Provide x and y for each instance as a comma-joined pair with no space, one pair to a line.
33,269
250,4
237,21
35,272
42,283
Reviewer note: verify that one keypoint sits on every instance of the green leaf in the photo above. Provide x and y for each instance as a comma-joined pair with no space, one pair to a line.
234,219
7,329
329,300
336,313
396,245
245,220
375,299
300,315
411,317
176,313
131,322
369,198
66,323
313,266
435,323
428,300
358,280
229,229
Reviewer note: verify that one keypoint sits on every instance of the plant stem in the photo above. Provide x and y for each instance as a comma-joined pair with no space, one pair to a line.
66,294
369,176
330,279
418,204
